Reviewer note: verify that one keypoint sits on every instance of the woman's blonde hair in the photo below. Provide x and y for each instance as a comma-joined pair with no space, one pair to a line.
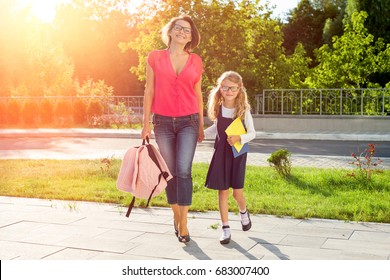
195,35
215,98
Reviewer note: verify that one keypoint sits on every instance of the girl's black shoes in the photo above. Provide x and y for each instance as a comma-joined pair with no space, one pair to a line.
226,236
247,226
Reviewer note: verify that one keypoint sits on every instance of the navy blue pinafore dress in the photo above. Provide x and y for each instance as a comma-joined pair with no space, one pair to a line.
225,171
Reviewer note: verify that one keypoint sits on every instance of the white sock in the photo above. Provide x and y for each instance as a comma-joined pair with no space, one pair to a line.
244,218
225,233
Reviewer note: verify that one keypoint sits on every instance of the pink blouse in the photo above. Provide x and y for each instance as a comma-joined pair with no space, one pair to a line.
174,95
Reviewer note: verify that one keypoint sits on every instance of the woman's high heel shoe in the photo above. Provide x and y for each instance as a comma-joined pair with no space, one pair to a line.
184,238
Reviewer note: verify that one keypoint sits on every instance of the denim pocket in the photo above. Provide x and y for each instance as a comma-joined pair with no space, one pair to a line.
195,123
155,122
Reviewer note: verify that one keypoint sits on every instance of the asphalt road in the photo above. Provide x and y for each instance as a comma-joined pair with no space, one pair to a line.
75,145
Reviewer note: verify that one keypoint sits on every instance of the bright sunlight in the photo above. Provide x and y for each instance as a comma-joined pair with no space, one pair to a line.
44,10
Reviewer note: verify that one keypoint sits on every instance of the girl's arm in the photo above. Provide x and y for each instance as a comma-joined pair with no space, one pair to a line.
211,131
148,100
250,129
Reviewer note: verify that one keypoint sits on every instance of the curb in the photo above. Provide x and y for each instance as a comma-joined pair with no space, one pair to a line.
136,133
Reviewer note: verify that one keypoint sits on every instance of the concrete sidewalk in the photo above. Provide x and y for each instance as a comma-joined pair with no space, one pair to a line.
35,229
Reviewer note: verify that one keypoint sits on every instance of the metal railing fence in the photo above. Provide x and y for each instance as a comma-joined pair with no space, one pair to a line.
349,102
341,102
111,104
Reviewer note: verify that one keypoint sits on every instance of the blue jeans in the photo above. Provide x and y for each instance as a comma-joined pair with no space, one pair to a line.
177,139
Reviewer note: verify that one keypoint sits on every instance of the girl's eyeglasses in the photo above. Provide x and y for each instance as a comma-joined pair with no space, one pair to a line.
226,88
178,27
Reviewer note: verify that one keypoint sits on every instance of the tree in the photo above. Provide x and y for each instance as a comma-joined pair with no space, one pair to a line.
32,63
313,23
378,21
354,57
235,35
298,64
334,13
305,25
90,32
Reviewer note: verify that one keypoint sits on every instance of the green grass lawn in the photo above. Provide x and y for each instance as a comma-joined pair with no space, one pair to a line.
309,192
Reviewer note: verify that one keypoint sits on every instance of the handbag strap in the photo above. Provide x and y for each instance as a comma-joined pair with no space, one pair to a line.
130,207
163,173
147,140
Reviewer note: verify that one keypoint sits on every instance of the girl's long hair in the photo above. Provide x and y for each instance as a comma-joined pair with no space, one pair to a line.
215,99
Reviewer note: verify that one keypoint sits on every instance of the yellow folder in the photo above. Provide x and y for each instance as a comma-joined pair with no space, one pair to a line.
236,128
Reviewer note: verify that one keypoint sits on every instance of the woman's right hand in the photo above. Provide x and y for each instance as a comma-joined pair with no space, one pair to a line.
146,131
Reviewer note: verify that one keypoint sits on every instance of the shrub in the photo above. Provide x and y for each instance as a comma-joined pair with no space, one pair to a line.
280,160
95,110
79,111
46,112
63,112
30,113
3,113
365,162
13,114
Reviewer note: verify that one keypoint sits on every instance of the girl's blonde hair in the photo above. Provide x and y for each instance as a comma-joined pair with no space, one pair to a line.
215,100
195,35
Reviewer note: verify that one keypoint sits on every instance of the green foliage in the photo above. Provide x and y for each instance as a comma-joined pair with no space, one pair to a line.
79,111
63,112
351,61
377,22
91,88
33,61
107,162
214,226
280,161
46,112
236,35
335,11
291,71
90,32
13,113
45,59
91,45
307,193
366,163
30,113
305,25
3,113
95,108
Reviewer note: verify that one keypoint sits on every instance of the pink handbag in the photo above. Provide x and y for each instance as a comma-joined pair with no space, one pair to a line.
143,173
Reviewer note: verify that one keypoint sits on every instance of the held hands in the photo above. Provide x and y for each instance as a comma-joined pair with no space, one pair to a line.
232,139
201,134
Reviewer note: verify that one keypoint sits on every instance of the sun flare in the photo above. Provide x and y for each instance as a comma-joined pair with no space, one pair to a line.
44,10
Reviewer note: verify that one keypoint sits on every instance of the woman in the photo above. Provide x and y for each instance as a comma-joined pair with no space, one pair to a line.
173,93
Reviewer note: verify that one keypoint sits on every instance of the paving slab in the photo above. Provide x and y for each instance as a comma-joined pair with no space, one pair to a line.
101,231
376,249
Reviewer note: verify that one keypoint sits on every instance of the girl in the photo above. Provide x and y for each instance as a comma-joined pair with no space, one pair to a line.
228,101
173,94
